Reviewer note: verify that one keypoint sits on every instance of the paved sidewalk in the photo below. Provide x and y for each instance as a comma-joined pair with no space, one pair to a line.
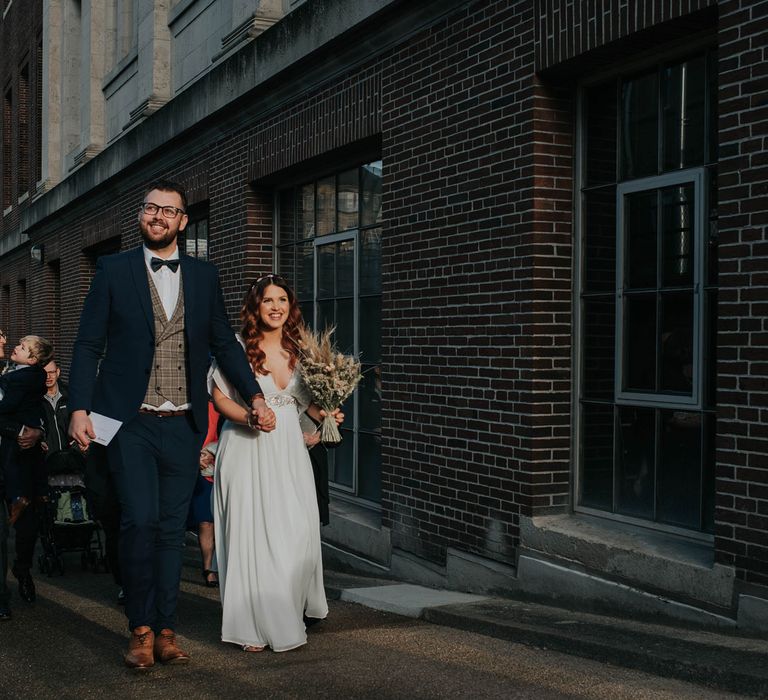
727,661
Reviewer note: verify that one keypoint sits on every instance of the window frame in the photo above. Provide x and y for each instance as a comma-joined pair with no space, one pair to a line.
655,183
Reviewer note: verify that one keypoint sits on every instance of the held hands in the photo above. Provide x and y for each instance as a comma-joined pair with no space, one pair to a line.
262,417
29,437
81,429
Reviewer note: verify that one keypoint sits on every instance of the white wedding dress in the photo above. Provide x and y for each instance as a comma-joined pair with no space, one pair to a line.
267,524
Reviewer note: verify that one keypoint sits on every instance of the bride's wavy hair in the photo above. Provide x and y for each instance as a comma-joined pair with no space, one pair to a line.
252,330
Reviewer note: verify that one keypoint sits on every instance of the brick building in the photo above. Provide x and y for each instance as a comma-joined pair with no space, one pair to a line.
540,224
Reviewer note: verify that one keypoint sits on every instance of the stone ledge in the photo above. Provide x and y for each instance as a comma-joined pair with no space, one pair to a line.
641,558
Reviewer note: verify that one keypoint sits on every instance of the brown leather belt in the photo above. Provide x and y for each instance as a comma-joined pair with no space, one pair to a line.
163,414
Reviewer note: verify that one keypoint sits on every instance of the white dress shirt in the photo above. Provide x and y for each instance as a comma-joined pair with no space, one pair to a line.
166,282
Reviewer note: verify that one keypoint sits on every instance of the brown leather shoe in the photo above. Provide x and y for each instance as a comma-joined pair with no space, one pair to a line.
140,649
166,650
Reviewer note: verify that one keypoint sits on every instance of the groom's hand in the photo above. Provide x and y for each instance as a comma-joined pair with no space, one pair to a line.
263,416
81,429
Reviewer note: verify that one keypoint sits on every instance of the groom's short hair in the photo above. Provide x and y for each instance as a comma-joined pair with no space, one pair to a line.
168,186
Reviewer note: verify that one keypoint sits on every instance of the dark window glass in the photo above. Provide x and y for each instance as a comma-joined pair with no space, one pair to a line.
341,459
286,266
635,454
601,102
640,342
710,348
600,240
640,127
347,204
371,193
597,456
369,449
345,326
683,114
677,234
286,231
679,474
642,226
369,395
326,206
599,347
370,261
676,356
305,271
708,474
305,225
345,268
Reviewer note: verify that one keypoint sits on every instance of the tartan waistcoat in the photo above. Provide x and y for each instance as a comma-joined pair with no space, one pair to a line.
168,379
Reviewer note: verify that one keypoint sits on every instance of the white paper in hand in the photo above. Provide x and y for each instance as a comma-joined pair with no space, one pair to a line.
104,427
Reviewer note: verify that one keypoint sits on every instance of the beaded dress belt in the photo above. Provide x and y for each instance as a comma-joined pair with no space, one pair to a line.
163,414
278,400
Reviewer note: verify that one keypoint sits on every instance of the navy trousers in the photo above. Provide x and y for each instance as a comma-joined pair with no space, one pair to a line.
154,464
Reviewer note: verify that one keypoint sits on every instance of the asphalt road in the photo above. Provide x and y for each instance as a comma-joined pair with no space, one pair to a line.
69,644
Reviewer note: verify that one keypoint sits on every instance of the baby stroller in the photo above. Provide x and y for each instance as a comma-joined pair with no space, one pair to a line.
67,525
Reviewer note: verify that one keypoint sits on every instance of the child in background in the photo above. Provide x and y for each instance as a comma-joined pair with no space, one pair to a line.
21,391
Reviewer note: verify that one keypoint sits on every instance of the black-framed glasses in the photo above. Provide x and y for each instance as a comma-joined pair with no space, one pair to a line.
150,209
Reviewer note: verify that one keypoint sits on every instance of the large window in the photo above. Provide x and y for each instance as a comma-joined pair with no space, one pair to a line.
328,234
648,295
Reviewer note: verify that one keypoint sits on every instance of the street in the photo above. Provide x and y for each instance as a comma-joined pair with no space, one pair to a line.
69,644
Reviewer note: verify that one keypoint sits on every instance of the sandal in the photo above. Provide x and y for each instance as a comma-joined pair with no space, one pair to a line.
208,583
253,649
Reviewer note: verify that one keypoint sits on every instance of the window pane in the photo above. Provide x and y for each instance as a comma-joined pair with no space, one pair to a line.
286,266
305,271
326,206
341,459
679,475
370,261
370,329
202,239
640,342
676,361
308,312
601,104
677,235
635,468
599,347
305,224
639,138
345,268
345,326
369,396
326,271
597,456
286,232
641,225
326,314
600,240
371,190
683,114
369,467
347,200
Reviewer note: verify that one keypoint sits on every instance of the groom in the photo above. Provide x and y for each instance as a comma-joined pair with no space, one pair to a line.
153,317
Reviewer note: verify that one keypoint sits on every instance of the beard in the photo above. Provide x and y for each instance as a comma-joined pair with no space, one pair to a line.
152,240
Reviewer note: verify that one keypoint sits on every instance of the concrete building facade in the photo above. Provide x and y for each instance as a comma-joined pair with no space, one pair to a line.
539,224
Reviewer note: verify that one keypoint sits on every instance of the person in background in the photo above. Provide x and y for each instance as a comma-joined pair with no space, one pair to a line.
19,444
200,518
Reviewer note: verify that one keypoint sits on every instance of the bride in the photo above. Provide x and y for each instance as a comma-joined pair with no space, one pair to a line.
265,507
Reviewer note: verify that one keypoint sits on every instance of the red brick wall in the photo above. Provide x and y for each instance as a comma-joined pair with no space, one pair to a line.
742,440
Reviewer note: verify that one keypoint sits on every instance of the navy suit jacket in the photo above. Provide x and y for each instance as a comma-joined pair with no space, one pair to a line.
117,326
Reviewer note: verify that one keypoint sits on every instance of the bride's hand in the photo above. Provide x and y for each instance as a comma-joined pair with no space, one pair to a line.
336,413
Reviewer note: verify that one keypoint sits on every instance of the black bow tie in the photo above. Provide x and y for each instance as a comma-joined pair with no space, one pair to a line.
157,263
